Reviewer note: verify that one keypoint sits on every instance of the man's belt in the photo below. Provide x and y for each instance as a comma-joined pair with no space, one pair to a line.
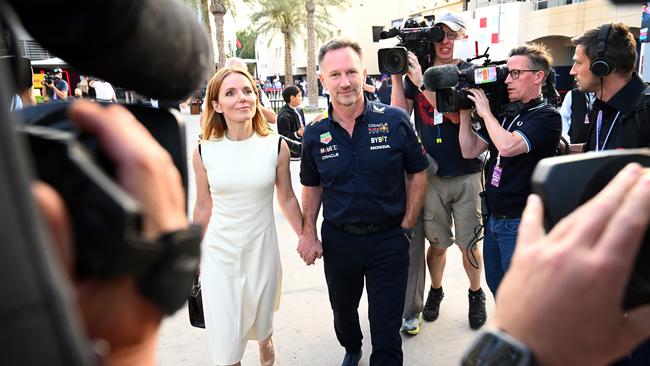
505,217
365,229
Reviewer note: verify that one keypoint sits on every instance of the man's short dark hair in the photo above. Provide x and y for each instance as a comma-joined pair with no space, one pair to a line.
620,50
538,56
338,43
289,92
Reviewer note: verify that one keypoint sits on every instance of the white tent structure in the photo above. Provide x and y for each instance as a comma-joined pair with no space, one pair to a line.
54,61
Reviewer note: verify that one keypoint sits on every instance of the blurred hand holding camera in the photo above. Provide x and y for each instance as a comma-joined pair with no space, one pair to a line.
114,309
588,258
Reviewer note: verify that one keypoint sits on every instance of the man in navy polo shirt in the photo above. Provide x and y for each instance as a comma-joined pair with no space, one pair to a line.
354,163
516,144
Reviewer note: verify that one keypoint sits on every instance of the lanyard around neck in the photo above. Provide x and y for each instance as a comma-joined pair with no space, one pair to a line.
599,124
503,123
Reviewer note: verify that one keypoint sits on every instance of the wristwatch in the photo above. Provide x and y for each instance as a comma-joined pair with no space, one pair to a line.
409,232
496,347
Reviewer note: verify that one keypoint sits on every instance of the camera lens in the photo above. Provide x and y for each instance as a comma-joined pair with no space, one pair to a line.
393,60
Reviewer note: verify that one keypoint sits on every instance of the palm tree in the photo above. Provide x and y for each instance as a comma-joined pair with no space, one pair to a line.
289,17
312,84
219,8
322,17
284,16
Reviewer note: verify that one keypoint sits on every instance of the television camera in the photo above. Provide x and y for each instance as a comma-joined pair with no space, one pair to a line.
413,36
451,84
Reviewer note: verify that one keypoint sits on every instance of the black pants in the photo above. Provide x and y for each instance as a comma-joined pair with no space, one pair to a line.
382,259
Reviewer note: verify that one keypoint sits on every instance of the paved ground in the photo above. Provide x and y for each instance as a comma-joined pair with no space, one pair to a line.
304,332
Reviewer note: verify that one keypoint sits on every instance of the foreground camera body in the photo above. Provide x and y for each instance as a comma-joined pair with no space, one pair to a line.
412,37
106,220
566,182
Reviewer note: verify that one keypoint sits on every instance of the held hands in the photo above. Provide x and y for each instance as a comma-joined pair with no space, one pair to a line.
564,291
300,131
481,102
309,248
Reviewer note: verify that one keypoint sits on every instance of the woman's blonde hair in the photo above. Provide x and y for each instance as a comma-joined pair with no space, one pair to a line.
214,124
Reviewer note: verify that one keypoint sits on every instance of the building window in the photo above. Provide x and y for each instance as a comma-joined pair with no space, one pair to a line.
375,32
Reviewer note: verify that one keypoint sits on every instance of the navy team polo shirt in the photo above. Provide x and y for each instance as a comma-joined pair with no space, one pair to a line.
362,175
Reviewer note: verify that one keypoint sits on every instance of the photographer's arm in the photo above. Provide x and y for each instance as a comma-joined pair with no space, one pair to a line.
203,204
471,145
369,88
583,266
508,143
397,97
61,94
286,197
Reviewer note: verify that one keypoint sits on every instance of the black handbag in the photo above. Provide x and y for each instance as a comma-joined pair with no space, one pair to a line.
195,304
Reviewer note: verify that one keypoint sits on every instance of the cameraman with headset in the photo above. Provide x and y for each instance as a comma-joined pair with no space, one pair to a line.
452,191
620,115
516,143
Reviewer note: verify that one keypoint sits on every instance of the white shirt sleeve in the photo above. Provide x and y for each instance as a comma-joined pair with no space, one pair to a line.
565,112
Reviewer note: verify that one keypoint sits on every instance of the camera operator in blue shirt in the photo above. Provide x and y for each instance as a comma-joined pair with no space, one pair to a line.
516,143
56,88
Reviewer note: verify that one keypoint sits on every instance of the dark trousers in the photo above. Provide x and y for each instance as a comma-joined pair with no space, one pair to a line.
382,259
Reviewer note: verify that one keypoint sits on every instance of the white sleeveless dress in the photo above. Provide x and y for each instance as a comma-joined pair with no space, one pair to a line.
240,261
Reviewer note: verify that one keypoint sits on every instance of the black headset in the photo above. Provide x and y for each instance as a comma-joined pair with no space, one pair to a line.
600,67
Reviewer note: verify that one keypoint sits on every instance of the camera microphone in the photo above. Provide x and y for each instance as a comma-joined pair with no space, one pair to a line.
441,77
393,32
155,47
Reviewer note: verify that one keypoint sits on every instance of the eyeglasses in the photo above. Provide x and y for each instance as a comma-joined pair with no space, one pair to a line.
452,36
514,74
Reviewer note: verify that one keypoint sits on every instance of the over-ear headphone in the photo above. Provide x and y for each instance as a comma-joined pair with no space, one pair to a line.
600,67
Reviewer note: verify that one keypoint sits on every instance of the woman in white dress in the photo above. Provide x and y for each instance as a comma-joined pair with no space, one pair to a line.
238,163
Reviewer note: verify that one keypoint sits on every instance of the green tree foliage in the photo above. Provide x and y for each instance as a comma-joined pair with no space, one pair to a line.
247,38
289,18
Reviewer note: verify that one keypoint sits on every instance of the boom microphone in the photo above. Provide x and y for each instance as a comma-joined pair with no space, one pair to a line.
393,32
441,77
155,47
